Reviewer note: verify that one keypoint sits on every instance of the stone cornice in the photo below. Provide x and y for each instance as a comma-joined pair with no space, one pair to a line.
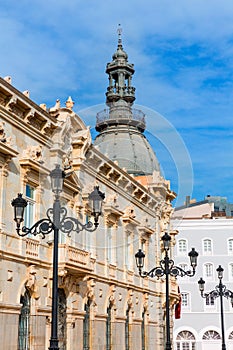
112,214
24,113
145,230
104,169
34,165
7,151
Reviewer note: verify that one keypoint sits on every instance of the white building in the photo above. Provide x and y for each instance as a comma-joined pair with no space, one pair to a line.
207,226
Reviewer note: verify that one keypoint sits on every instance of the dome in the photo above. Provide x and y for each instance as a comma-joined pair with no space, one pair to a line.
121,126
120,53
130,148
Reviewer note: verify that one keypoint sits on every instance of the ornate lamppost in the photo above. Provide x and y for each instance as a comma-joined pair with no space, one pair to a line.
56,220
219,291
166,268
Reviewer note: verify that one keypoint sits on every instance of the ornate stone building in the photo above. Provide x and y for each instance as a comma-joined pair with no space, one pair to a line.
103,303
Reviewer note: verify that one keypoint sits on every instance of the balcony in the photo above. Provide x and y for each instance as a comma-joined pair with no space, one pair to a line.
74,259
137,118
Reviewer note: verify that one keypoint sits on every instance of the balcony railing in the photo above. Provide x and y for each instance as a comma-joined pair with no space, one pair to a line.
137,118
32,247
74,256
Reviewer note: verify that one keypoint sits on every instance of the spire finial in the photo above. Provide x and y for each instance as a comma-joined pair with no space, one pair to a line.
119,31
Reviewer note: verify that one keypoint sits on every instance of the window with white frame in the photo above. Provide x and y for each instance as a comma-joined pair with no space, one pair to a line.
182,246
207,246
209,300
29,214
129,250
230,271
211,335
184,267
230,246
127,244
185,302
109,244
185,340
208,270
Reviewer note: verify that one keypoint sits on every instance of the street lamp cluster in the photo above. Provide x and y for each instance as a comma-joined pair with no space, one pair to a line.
56,220
166,268
219,291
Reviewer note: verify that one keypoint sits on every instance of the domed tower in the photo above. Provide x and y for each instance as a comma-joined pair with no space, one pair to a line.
120,126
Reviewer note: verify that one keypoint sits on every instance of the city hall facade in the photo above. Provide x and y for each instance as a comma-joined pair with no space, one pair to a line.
103,303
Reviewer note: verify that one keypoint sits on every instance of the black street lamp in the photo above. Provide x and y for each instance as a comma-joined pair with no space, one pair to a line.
166,268
219,291
56,220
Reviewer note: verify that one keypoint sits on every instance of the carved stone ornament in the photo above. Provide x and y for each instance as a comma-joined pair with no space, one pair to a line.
129,212
129,218
81,142
90,289
112,290
33,153
31,282
87,288
3,137
145,301
130,298
166,212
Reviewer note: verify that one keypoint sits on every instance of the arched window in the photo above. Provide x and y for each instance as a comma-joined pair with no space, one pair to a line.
127,335
143,330
24,322
182,246
230,336
62,319
207,246
185,340
109,327
211,335
86,326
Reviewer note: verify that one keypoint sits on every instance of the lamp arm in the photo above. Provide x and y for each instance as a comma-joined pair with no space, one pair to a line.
66,225
157,271
69,224
217,293
227,293
43,227
214,293
166,267
178,271
143,274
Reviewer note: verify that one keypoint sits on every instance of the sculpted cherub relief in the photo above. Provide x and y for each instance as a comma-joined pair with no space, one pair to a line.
33,153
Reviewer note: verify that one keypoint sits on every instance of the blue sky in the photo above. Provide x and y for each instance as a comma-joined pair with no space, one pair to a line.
183,56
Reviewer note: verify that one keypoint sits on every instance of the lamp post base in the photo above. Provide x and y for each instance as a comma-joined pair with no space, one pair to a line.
53,344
